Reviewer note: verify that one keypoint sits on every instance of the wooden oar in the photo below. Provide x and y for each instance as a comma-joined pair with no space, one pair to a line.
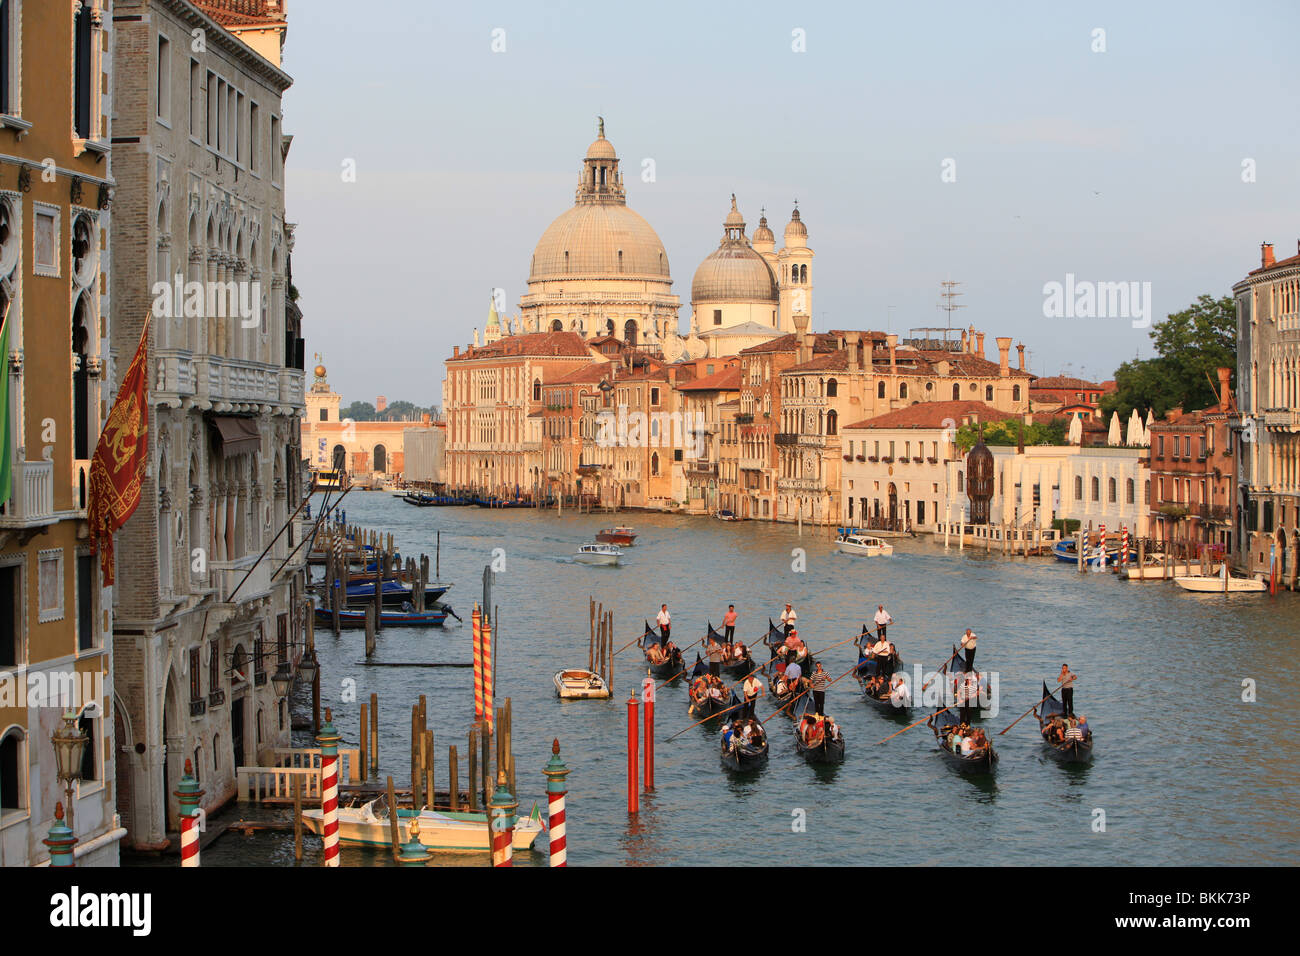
710,717
921,721
626,646
1031,709
674,677
787,704
942,670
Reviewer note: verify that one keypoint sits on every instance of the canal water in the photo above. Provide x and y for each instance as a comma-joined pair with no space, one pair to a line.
1185,772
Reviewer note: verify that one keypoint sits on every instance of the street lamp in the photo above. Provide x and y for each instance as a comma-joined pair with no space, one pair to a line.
308,666
69,747
282,679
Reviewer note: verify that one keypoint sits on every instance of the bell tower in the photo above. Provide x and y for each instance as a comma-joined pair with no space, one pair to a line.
794,272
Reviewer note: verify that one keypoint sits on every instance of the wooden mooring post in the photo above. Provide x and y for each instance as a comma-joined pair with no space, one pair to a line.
453,777
374,734
365,739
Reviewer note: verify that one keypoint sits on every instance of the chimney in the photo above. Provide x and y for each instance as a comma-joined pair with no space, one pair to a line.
1021,350
1225,390
1266,255
964,347
852,342
970,343
425,418
380,403
1004,356
455,351
979,344
801,338
893,352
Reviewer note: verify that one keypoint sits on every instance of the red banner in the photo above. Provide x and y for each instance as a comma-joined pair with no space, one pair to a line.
117,470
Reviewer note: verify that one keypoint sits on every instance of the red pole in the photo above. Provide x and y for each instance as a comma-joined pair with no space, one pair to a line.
648,695
633,797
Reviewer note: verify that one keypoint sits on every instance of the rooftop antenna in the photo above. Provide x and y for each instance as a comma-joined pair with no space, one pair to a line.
949,295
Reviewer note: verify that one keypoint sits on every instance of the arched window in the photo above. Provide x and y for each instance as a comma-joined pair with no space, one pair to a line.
1110,490
988,393
961,485
654,464
1015,393
832,388
880,390
956,392
13,760
537,389
1128,492
1096,489
832,423
557,325
1078,487
381,458
902,390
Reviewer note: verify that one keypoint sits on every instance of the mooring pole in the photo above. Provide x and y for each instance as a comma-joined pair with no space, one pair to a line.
648,695
556,790
633,794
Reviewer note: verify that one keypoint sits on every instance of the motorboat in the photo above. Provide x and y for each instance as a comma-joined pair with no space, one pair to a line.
622,536
598,554
439,829
863,544
579,684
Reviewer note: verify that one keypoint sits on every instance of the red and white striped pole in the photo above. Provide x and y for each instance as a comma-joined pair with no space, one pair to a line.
476,628
633,790
556,789
1123,545
489,685
328,741
189,794
501,813
1101,554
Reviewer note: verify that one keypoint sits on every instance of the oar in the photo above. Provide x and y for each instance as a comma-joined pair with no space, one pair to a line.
787,704
942,670
921,721
674,677
1031,709
710,717
626,646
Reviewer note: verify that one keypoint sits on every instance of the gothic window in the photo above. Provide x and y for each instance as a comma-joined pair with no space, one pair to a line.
956,393
880,390
988,393
1096,489
902,390
832,421
537,389
83,83
832,388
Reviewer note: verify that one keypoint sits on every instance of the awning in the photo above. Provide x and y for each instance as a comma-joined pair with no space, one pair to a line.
239,436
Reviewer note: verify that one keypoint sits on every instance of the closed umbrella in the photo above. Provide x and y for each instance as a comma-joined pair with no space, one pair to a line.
1076,430
1135,435
1113,437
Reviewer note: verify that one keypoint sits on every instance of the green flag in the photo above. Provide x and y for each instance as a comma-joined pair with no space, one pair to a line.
6,435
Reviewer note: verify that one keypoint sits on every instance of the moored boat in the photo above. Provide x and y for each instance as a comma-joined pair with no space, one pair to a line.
1219,583
1067,751
439,829
352,618
726,515
600,555
580,684
394,593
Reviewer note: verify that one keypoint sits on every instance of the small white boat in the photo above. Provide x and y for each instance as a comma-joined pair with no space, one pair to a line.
439,829
599,554
579,684
1215,584
863,544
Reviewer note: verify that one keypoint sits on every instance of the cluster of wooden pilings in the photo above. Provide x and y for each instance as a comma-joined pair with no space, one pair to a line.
600,650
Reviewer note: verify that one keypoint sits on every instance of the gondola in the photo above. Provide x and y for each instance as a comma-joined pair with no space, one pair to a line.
395,593
704,705
869,665
828,749
731,664
738,755
775,640
356,618
670,667
778,700
419,499
982,762
957,672
1069,751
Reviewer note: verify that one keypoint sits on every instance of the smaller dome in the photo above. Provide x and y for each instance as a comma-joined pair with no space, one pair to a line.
601,148
734,218
763,233
796,226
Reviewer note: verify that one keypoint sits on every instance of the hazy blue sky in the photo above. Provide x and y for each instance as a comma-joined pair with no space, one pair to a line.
1121,165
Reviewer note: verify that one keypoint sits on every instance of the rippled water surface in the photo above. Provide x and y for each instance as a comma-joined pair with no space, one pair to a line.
1184,771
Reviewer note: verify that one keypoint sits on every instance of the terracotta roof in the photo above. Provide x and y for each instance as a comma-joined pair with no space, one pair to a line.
789,343
590,374
963,363
826,362
244,13
933,415
531,343
1071,384
1280,264
726,380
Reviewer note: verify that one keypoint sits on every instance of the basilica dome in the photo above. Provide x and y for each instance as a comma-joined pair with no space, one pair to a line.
734,272
600,236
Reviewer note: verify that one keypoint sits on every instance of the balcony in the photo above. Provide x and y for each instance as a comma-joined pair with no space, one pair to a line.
216,698
753,464
702,469
32,504
786,438
292,387
227,576
1284,419
746,419
198,707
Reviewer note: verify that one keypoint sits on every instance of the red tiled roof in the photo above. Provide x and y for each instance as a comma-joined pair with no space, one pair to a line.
244,13
933,415
726,380
789,343
1280,264
531,343
1064,382
591,374
963,363
826,362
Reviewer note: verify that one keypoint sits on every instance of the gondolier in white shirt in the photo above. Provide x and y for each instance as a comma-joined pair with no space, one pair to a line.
968,645
883,620
899,695
753,689
788,617
665,622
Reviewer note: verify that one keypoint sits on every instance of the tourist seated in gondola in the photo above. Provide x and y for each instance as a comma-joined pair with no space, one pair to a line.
655,653
899,694
979,741
737,650
1072,731
716,687
1082,724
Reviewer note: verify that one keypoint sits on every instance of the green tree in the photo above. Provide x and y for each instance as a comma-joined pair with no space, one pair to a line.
1007,432
1190,346
358,412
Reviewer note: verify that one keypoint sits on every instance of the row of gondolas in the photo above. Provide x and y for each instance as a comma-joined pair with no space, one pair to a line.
795,687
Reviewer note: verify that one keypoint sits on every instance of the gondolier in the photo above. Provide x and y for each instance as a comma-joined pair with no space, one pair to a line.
1066,679
820,681
788,617
714,651
665,622
883,620
968,645
729,623
753,689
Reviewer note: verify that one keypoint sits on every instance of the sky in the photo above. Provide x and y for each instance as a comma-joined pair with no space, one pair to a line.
1003,146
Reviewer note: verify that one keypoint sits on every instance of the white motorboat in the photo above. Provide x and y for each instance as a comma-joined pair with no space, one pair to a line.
579,684
439,829
863,544
598,554
1218,584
